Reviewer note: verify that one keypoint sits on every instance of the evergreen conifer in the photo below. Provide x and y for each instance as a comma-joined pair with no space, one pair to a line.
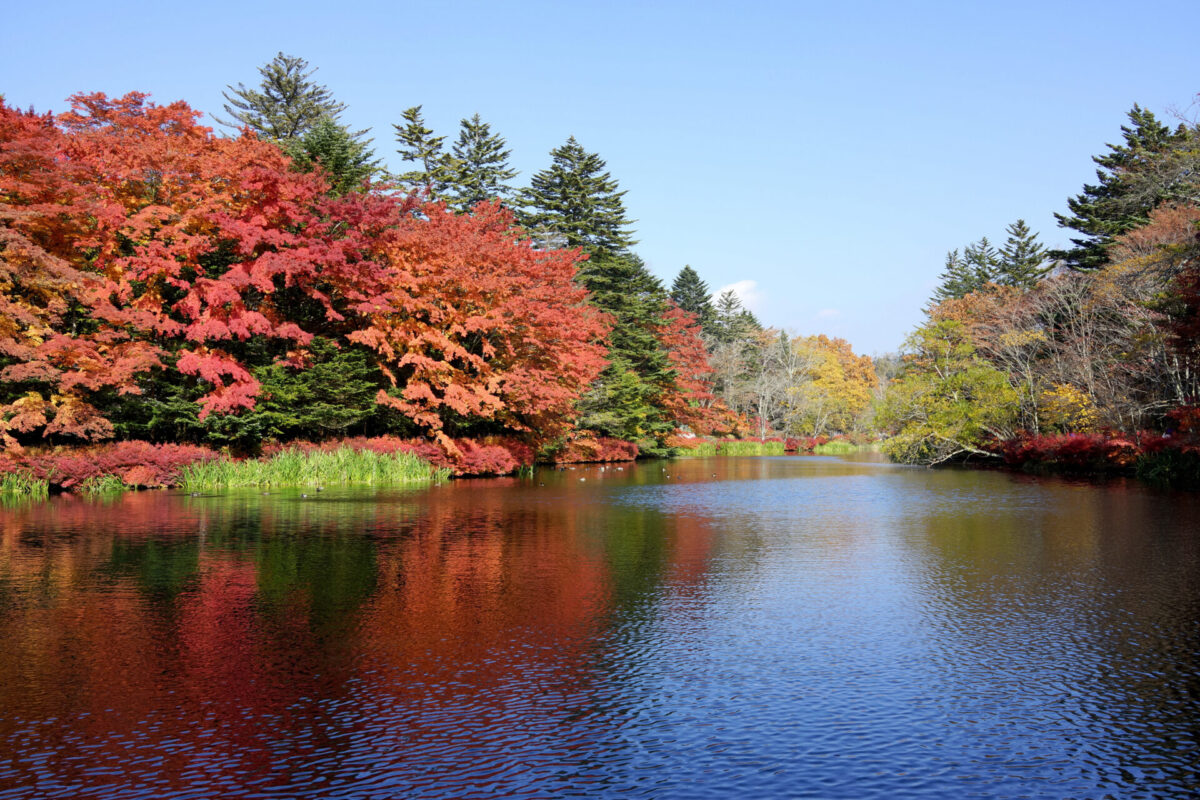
479,166
1104,210
1022,258
419,145
346,161
577,200
626,400
692,295
287,104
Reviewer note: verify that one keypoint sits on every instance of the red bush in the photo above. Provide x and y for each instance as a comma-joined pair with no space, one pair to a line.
135,463
584,447
1074,452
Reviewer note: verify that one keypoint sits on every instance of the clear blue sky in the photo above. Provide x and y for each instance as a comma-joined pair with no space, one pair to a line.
830,153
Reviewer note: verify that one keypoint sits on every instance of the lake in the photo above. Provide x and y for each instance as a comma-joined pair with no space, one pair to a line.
728,627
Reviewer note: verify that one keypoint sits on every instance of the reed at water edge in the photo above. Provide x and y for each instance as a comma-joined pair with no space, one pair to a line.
313,468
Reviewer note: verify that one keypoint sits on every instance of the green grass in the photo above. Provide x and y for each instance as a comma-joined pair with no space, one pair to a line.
23,484
703,450
835,448
103,484
751,448
296,468
741,448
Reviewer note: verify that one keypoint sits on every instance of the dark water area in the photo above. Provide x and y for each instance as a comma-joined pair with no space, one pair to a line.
727,627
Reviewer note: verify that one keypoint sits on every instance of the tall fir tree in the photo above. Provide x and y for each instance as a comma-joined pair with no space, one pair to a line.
479,166
419,145
734,322
1105,210
957,279
347,162
979,265
983,260
692,295
577,202
287,104
626,400
1022,257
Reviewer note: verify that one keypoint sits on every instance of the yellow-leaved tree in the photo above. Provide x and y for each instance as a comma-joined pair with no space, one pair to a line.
831,390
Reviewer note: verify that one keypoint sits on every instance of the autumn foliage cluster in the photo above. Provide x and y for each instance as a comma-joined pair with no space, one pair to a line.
159,281
1084,372
134,464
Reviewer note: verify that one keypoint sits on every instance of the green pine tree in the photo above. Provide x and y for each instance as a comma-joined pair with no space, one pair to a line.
626,400
287,104
983,261
333,394
480,168
1105,210
347,162
576,203
979,264
955,280
1022,258
419,145
692,295
734,322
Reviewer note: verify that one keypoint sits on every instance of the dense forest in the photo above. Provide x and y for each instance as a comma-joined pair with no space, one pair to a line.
163,283
1083,358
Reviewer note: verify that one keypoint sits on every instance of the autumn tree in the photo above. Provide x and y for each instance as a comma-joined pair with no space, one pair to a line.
54,355
287,104
831,390
479,169
948,403
688,400
184,251
478,328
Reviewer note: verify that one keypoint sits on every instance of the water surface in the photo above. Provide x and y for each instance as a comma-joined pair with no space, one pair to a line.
727,627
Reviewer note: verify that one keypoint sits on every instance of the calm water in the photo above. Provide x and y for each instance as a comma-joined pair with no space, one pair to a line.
744,627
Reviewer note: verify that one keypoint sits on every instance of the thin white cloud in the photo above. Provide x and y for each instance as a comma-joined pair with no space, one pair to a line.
747,291
828,313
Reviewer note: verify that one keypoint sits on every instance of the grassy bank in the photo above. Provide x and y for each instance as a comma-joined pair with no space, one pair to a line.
835,448
748,447
23,484
313,468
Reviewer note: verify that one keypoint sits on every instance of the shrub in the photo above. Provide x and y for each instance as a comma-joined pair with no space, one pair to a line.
1070,452
129,463
584,447
1170,461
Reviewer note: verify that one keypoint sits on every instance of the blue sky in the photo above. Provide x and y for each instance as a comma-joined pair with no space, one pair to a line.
822,157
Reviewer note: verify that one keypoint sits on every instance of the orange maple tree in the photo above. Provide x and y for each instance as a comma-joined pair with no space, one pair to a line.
479,324
133,238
